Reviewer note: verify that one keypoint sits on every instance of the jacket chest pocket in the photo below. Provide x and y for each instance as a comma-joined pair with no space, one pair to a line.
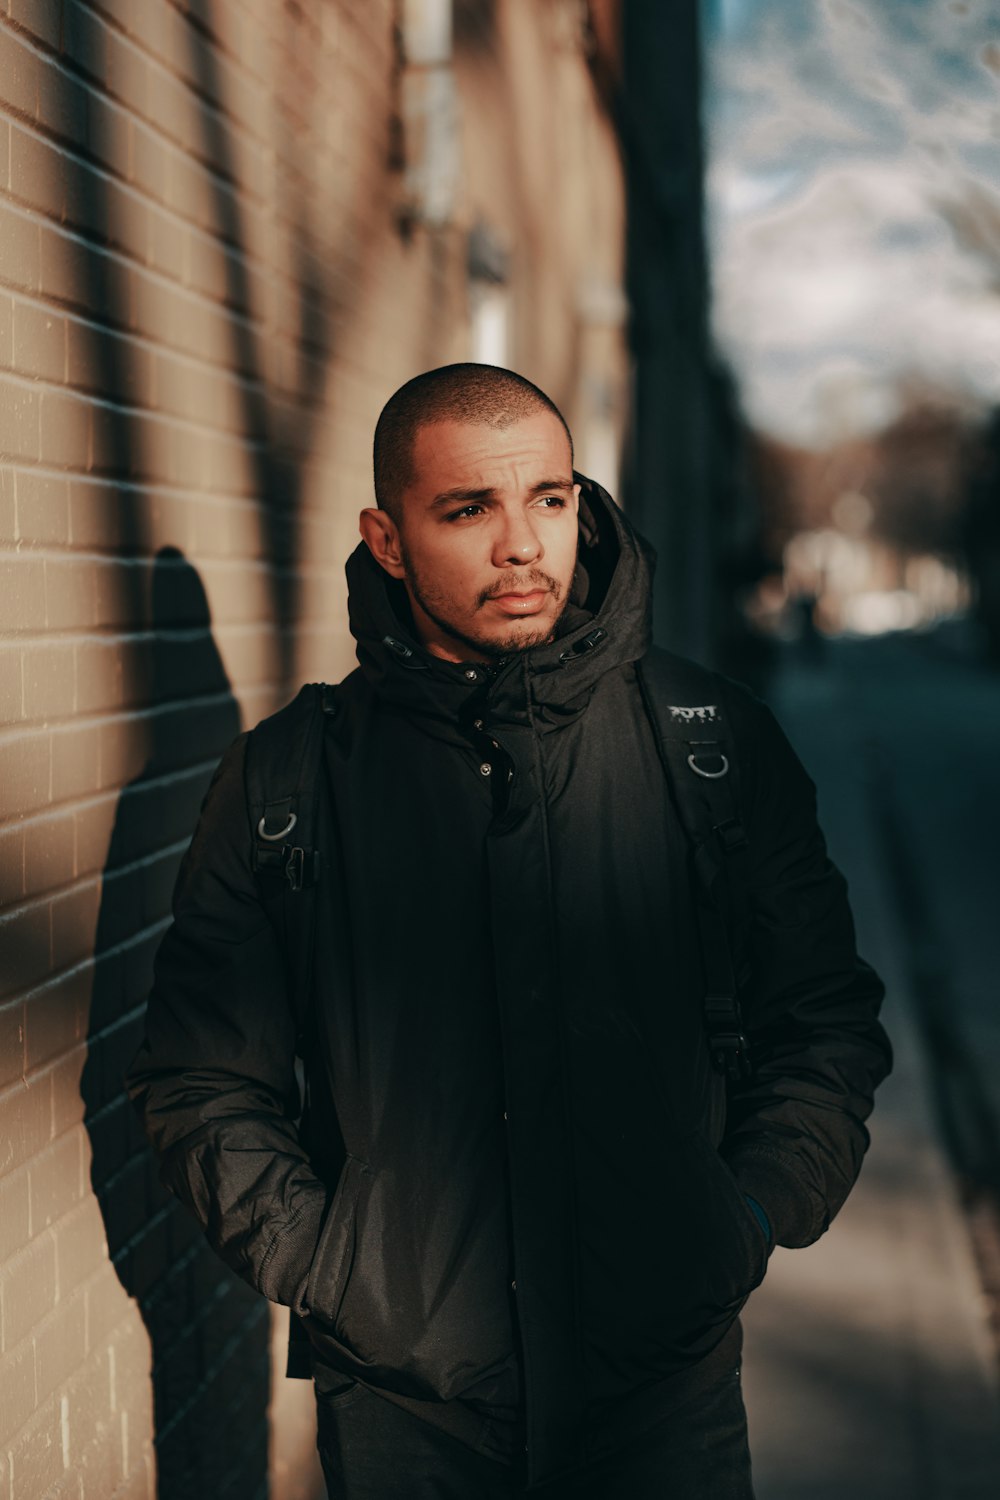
334,1257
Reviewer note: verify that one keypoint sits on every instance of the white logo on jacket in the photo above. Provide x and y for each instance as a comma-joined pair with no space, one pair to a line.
705,713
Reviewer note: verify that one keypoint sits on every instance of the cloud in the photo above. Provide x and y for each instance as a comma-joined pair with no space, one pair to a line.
854,208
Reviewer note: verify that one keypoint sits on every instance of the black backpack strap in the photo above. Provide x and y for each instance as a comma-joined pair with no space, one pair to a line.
283,780
284,774
698,754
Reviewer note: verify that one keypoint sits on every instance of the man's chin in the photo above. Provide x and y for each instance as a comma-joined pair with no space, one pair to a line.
516,642
519,636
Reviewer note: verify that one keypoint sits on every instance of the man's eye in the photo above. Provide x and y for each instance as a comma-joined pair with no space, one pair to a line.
557,500
467,510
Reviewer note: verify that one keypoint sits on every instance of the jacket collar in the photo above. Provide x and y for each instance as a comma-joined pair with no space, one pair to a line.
606,624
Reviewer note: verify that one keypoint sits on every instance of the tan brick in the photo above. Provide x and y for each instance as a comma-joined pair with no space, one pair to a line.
70,592
42,508
56,1177
6,315
139,1483
37,173
75,762
169,104
22,592
24,774
124,12
19,247
98,675
49,853
18,1395
36,1455
64,429
41,17
101,1460
56,1018
69,1487
19,418
82,362
8,511
15,1213
27,948
149,162
97,512
28,1289
11,683
60,264
126,223
60,1343
39,342
26,1112
166,244
128,73
20,71
48,680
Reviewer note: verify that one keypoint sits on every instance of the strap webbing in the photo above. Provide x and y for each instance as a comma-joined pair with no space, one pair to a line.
699,762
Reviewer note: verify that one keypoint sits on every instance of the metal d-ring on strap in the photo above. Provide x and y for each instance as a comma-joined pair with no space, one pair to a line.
709,775
274,838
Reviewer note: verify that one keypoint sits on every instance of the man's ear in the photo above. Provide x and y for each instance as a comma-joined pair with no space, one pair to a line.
381,536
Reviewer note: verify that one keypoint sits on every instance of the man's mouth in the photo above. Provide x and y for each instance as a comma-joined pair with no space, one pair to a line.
526,603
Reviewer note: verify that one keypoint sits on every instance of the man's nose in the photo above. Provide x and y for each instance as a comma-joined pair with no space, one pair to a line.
517,542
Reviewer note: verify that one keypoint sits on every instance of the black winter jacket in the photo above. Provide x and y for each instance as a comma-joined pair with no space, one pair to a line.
536,1201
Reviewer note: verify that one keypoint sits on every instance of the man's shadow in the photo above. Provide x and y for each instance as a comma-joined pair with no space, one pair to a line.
209,1333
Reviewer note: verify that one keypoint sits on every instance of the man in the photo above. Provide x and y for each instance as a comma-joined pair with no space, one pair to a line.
546,1208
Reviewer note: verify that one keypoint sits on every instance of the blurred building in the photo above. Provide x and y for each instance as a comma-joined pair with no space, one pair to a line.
866,535
227,232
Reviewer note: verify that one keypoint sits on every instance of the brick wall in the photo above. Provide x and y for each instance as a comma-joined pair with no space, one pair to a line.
220,251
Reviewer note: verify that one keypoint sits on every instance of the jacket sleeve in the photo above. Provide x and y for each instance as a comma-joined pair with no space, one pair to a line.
795,1135
214,1080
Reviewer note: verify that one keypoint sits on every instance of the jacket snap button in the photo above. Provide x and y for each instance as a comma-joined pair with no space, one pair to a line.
478,724
513,1286
472,674
485,768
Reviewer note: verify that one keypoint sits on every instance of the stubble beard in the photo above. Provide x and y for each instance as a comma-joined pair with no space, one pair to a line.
442,608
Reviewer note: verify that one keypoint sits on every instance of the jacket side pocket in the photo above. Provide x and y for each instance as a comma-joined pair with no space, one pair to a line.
739,1257
334,1257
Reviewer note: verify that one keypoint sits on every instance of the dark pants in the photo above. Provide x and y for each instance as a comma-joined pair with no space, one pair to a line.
372,1450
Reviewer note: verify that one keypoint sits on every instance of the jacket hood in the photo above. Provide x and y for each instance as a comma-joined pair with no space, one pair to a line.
606,623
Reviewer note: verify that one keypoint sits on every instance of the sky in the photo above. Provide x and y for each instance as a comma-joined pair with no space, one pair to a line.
853,207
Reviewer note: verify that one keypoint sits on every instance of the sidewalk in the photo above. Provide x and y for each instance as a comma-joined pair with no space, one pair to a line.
869,1371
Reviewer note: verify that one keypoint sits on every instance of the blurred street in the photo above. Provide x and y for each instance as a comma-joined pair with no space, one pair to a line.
870,1368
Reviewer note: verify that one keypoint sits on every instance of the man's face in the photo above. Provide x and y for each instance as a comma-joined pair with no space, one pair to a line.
488,537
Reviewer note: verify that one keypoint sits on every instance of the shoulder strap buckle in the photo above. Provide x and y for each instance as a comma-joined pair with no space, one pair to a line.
302,868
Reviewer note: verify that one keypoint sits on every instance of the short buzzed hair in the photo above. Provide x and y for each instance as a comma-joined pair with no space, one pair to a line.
477,394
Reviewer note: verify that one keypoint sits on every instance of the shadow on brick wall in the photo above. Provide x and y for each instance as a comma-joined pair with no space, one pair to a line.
209,1334
281,426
